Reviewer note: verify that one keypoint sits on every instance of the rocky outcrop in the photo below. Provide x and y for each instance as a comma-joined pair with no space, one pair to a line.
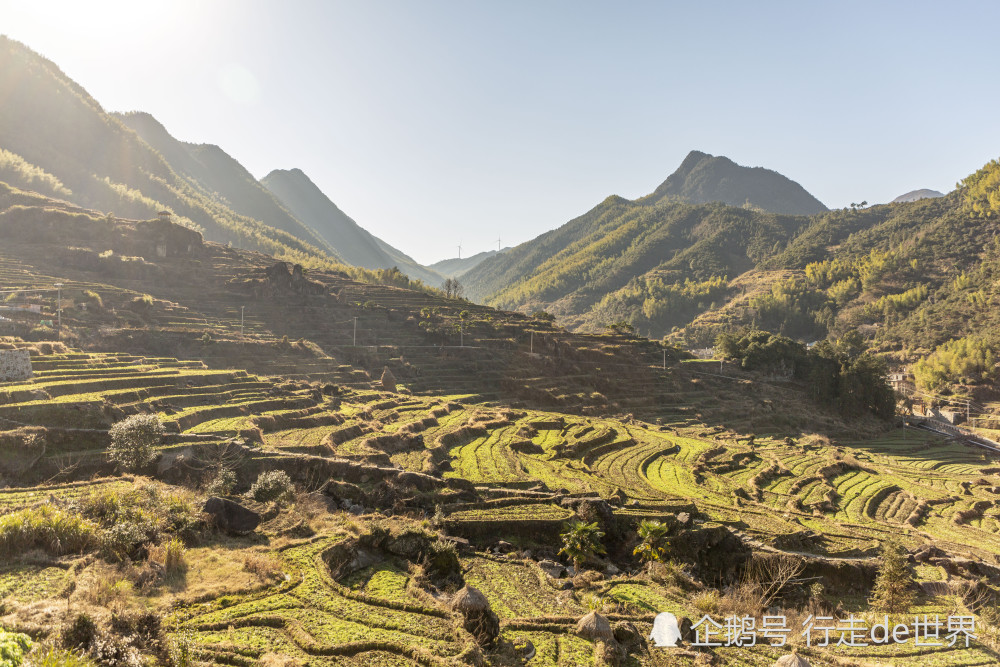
231,517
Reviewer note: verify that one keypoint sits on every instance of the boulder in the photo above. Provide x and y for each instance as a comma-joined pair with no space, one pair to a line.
231,517
552,568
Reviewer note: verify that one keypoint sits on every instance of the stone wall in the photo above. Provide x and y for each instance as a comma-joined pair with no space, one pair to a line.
14,365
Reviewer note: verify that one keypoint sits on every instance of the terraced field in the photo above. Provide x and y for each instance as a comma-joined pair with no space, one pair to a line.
461,468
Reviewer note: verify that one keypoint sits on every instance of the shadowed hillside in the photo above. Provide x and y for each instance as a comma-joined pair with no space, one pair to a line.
214,172
353,243
56,128
457,267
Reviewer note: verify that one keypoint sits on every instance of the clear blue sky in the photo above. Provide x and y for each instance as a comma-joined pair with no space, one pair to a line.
435,122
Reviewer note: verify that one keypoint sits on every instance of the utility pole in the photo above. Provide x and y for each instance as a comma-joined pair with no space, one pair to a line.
460,250
498,243
664,358
532,344
355,331
241,320
59,307
461,333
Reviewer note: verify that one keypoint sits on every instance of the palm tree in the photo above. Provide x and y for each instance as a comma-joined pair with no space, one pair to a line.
582,541
653,548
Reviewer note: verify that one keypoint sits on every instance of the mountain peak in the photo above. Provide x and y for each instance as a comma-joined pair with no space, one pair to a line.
915,195
703,178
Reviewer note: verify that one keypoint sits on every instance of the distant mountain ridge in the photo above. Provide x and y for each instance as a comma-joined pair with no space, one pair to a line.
459,266
356,245
710,219
916,195
704,178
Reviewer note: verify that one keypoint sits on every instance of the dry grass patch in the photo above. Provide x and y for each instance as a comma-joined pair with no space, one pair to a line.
266,567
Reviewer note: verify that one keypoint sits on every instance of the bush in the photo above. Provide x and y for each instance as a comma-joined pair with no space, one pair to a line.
114,651
48,528
133,440
181,650
223,484
271,485
80,633
143,627
13,647
93,299
124,541
141,304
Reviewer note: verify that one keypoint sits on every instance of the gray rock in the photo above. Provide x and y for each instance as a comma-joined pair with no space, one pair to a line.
231,517
552,568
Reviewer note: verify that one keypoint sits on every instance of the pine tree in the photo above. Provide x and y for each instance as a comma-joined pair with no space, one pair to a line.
893,591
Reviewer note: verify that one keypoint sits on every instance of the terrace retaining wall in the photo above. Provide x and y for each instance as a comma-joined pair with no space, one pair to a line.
15,365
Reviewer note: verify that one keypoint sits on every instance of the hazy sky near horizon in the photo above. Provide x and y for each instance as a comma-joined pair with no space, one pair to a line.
439,122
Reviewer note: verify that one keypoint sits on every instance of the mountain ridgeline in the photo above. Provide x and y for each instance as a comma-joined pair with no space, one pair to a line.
710,219
704,178
459,266
911,275
59,141
58,138
222,178
353,243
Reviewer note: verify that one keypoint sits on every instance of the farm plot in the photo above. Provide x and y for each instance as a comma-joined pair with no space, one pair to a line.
489,459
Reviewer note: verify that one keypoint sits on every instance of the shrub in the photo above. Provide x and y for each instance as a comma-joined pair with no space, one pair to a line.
80,633
93,299
653,547
133,440
271,485
124,541
181,650
114,651
223,484
143,627
141,304
48,528
442,563
13,647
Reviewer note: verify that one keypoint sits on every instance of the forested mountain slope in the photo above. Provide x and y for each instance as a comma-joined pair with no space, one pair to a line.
681,230
910,275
